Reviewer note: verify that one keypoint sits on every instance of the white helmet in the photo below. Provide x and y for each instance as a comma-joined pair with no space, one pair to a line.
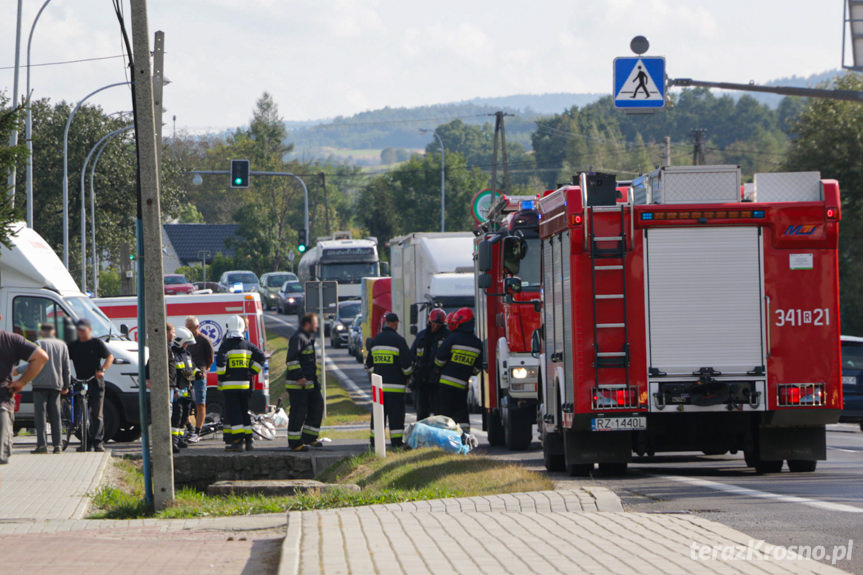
182,336
236,325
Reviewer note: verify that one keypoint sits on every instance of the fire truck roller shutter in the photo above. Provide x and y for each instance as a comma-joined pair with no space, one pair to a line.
705,299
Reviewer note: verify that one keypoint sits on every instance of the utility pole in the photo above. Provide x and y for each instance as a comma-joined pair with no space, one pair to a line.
667,150
158,84
698,147
499,133
13,138
323,177
151,253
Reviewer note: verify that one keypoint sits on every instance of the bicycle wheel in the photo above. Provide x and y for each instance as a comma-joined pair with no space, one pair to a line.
81,422
264,430
66,420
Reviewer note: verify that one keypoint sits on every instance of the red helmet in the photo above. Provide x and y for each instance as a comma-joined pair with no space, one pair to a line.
461,317
437,315
449,320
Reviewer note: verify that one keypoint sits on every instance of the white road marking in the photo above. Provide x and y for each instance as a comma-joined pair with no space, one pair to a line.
346,382
744,491
845,450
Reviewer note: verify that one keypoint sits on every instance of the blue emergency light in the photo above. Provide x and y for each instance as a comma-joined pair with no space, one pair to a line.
528,204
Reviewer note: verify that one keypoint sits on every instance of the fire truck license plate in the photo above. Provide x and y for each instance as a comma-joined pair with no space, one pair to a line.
618,423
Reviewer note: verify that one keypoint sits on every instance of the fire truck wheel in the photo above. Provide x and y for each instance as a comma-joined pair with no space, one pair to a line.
762,467
518,428
610,469
495,429
802,465
579,469
552,452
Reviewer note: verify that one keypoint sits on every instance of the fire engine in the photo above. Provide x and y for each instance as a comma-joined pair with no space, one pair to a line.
507,245
698,315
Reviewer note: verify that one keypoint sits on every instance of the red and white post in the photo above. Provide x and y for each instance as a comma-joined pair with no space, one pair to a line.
378,415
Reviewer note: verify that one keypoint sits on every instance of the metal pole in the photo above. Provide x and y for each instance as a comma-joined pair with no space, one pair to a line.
323,344
13,138
84,206
107,140
66,169
253,173
151,254
28,133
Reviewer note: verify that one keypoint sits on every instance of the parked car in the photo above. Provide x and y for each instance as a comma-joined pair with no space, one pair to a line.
355,337
852,380
204,288
292,300
271,285
342,320
177,284
237,281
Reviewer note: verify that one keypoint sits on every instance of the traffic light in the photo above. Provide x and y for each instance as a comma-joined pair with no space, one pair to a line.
301,241
239,173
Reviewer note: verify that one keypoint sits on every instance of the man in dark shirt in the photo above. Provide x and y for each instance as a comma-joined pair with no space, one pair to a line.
13,349
202,356
87,355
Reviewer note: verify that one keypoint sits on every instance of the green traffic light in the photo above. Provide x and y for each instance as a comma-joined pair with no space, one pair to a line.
301,249
238,181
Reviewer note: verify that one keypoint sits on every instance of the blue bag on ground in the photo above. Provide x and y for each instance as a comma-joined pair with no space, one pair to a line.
437,431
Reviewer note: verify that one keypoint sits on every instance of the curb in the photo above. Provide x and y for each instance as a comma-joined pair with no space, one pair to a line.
606,499
87,498
289,562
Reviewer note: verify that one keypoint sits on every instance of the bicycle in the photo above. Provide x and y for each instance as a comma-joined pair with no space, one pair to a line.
74,413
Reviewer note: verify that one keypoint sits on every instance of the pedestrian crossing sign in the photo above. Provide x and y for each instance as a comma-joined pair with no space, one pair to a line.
639,82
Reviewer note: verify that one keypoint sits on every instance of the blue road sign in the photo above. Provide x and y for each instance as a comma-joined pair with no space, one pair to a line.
639,82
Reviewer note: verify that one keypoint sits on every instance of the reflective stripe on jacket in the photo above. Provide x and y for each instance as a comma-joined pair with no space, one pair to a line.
390,358
237,361
459,357
301,361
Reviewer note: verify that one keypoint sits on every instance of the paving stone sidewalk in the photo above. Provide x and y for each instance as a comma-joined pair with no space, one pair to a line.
544,532
40,487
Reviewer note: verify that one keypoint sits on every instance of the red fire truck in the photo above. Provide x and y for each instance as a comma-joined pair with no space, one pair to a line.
690,318
508,245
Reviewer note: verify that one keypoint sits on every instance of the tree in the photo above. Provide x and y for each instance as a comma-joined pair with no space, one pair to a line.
827,138
10,156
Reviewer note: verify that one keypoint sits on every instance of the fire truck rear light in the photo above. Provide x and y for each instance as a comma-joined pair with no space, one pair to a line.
575,219
615,398
831,213
647,216
699,214
758,214
801,394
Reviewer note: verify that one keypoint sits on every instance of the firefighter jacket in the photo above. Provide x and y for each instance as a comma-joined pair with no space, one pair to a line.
425,349
237,361
459,357
301,362
390,358
181,362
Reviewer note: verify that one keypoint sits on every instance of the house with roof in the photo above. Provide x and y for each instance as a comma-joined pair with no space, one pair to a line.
189,244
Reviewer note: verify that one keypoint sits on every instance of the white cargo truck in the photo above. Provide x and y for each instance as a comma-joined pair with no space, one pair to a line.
36,288
433,269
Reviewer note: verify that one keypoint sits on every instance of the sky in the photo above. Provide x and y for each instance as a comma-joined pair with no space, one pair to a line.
325,58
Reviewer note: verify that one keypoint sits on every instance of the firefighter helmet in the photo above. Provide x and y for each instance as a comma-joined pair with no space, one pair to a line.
182,336
461,317
236,324
449,324
437,315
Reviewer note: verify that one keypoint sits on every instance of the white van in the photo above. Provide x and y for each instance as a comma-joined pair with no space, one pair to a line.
36,288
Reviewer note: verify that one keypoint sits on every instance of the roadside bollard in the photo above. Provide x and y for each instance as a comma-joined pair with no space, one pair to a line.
378,415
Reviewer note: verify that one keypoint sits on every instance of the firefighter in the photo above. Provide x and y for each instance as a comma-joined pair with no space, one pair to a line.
449,325
424,350
459,358
181,406
237,361
390,358
304,389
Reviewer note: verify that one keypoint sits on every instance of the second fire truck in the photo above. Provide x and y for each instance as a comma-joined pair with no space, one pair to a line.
689,318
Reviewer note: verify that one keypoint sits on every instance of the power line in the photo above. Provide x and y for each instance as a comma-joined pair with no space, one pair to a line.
62,62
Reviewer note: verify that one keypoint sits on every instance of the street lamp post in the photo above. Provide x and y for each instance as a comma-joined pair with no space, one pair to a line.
442,177
93,201
13,138
28,130
95,258
66,169
197,180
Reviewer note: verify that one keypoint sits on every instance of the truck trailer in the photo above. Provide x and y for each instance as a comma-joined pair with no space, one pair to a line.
689,318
